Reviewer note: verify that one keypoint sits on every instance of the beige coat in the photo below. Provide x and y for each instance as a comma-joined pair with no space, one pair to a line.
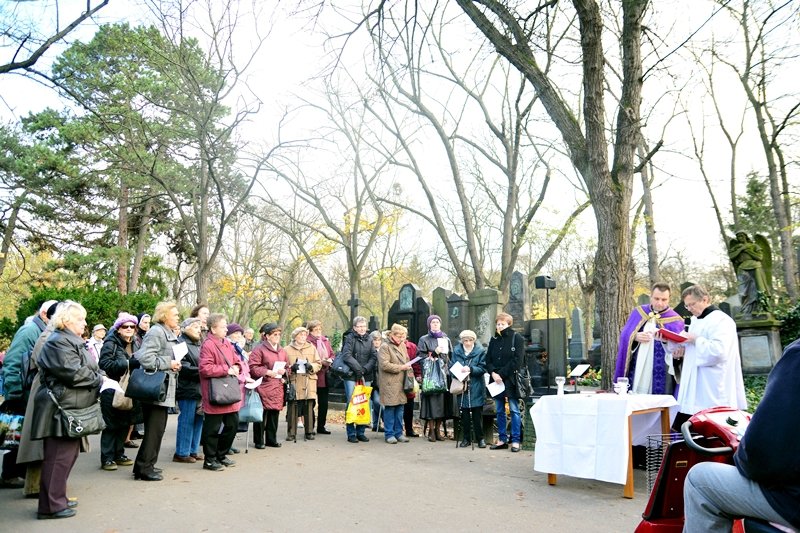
305,384
391,373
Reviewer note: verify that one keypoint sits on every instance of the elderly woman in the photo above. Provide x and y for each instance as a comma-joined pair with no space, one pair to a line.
360,355
435,407
157,353
304,363
472,358
218,359
142,327
202,312
190,423
323,346
268,361
116,360
375,399
71,375
393,367
505,354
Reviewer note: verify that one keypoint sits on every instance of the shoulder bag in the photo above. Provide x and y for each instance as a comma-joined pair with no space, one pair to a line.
224,390
79,422
120,401
340,368
147,386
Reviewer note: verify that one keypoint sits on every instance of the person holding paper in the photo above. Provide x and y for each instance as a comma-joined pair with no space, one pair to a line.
190,423
116,359
711,374
268,361
435,407
470,358
157,353
304,363
640,356
394,365
505,355
408,409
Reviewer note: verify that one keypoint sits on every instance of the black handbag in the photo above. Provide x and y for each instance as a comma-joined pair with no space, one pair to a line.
224,390
80,421
340,368
290,394
408,383
147,386
523,383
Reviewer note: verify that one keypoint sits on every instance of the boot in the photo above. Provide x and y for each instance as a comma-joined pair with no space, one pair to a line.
429,430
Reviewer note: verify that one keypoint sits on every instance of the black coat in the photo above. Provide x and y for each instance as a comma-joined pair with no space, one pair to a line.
360,355
66,368
114,359
506,353
189,375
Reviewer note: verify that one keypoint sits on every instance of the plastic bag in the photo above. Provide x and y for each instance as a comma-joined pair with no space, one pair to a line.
253,409
433,376
358,409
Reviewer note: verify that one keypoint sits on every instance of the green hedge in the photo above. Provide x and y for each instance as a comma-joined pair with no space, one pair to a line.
102,306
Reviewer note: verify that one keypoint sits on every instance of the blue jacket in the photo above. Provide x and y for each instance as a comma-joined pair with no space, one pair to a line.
15,364
476,361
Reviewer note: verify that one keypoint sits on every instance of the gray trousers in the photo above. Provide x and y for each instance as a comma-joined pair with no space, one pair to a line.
716,494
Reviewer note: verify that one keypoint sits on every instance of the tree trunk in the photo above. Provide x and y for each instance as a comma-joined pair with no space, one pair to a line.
201,276
122,240
8,234
141,245
649,220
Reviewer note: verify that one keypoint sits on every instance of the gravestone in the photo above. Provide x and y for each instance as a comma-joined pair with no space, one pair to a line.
484,305
410,310
643,299
577,343
439,305
518,305
725,307
373,323
760,349
556,347
457,315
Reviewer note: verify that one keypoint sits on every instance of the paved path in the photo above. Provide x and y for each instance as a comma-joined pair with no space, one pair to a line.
331,485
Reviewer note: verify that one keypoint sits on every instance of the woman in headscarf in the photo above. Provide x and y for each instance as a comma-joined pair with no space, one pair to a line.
116,359
472,357
323,346
304,364
142,327
190,422
268,361
70,375
435,407
157,353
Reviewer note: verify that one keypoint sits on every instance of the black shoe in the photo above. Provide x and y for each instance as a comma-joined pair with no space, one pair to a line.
63,513
155,476
234,450
481,443
309,436
464,444
323,431
412,435
213,465
362,438
290,438
260,446
157,470
352,439
499,446
227,462
12,483
274,445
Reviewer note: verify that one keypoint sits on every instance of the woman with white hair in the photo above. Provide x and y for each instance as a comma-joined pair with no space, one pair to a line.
71,376
304,363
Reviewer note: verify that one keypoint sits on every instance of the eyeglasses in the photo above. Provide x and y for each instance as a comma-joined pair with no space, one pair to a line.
126,326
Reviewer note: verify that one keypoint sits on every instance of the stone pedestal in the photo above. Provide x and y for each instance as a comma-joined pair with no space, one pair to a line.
759,345
484,305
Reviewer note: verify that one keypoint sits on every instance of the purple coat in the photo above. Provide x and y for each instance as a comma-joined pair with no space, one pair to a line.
626,360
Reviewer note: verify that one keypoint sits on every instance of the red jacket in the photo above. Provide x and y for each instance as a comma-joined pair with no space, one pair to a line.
213,355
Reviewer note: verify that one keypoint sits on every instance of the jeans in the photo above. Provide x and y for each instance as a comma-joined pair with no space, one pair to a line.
393,421
354,430
714,494
516,420
375,408
190,426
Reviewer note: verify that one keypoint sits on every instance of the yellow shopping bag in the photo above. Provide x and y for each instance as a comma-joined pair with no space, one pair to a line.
358,410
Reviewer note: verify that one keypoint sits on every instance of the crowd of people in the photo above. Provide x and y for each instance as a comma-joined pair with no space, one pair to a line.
61,365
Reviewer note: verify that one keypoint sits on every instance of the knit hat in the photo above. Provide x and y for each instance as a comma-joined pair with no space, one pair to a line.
233,327
468,333
432,318
124,318
189,321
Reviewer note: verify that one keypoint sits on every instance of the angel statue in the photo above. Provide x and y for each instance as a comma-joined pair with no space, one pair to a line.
752,260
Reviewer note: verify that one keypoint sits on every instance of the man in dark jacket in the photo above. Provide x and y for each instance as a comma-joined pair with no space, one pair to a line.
765,481
360,355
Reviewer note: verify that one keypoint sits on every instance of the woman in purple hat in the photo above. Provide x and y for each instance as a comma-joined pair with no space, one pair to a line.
435,406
